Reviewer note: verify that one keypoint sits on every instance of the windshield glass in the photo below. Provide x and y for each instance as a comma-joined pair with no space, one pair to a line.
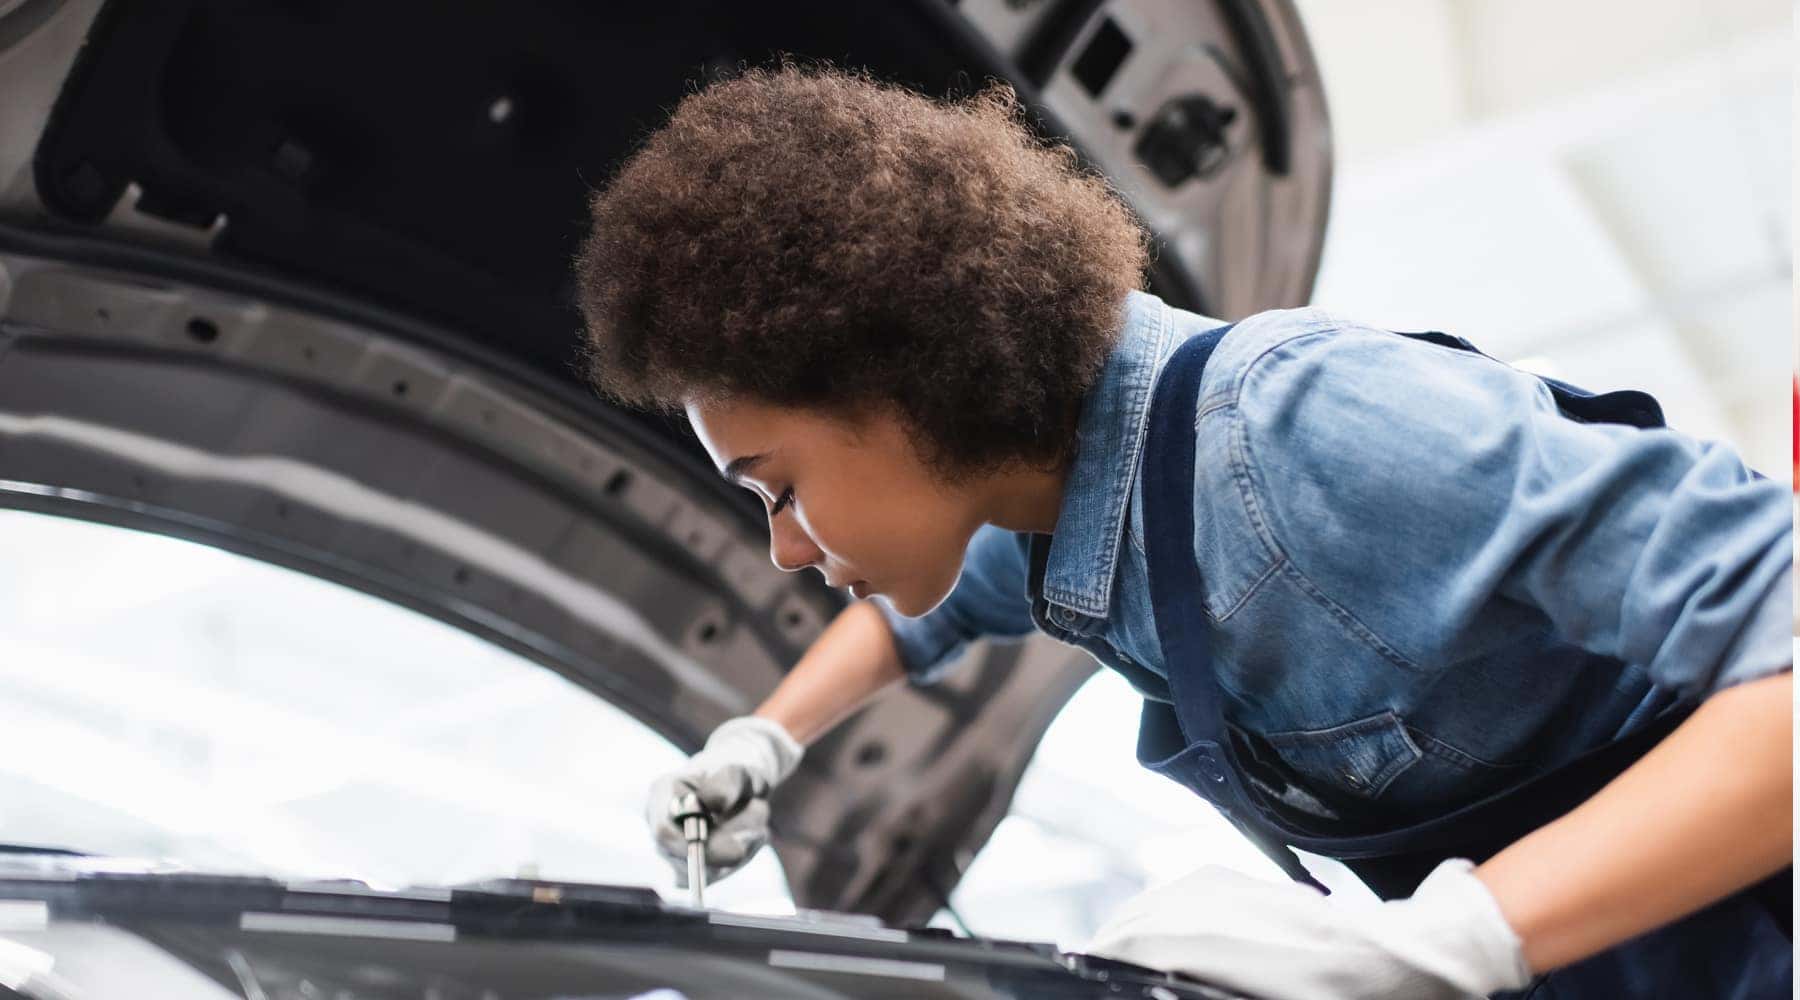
164,699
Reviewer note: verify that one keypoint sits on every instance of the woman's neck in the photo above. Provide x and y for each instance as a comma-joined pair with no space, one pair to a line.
1026,499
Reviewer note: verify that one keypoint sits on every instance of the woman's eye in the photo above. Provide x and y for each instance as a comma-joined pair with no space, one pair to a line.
786,497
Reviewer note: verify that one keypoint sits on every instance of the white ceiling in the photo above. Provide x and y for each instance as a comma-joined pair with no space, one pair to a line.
1601,189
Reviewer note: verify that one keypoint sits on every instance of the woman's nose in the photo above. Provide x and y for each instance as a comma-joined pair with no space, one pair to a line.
789,547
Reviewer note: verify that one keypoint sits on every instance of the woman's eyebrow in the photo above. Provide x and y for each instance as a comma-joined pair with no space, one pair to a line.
737,467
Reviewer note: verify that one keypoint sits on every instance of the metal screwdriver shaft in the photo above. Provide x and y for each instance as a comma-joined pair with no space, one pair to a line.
695,825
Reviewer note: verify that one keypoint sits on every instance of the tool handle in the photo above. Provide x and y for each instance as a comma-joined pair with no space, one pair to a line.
696,823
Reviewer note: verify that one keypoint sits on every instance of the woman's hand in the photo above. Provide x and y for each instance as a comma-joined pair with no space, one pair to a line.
1285,941
743,761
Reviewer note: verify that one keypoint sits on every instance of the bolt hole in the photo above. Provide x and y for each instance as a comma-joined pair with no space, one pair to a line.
793,619
104,314
202,330
281,510
461,576
871,754
616,485
138,483
400,388
696,538
487,417
309,354
709,632
1124,120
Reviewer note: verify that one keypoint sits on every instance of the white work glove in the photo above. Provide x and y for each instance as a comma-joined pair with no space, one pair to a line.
1286,941
743,760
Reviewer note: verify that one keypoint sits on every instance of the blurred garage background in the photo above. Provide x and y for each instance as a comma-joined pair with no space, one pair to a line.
1601,191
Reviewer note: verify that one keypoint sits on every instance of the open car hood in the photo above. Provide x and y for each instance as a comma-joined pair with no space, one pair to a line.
292,278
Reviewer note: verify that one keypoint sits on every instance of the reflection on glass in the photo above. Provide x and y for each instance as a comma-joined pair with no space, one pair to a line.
160,698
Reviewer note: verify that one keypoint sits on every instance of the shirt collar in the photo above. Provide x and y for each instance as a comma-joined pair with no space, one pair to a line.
1090,526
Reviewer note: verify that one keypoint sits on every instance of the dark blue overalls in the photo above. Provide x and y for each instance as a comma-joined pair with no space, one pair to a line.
1738,948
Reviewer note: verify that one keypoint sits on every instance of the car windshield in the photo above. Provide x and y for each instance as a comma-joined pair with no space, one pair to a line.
169,700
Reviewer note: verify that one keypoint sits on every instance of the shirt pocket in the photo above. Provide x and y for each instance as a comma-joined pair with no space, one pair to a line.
1380,771
1448,778
1355,760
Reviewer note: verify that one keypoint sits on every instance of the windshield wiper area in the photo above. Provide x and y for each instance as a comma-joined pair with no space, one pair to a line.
224,937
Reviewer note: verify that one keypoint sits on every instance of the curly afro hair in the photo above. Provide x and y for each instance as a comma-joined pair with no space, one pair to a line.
811,237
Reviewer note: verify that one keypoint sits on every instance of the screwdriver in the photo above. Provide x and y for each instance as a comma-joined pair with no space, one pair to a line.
695,825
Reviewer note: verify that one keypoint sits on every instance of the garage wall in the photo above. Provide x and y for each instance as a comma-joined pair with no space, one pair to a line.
1598,190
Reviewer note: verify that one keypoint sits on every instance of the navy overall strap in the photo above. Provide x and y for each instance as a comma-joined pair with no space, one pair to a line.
1175,578
1625,406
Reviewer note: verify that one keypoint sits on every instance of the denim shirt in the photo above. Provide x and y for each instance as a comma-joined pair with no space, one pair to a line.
1423,580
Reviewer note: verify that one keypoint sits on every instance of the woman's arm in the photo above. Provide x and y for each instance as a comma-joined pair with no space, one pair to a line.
850,662
869,646
1707,812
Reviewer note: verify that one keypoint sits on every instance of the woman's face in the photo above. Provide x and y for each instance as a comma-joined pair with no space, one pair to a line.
852,500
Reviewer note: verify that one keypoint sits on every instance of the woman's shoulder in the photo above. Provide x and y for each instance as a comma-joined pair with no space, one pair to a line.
1283,339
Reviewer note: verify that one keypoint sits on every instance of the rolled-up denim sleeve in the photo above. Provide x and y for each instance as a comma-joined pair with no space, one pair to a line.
988,601
1412,486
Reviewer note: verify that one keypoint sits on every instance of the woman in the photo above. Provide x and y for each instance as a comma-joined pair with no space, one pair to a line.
1520,655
